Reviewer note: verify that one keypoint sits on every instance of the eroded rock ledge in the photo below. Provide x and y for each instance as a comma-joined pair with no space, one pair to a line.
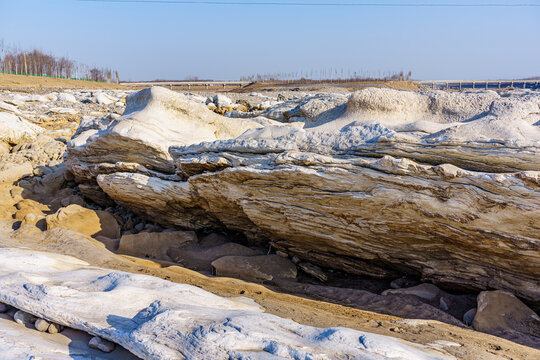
442,184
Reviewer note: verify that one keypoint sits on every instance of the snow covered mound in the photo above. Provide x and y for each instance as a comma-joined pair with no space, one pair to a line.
158,319
436,106
480,131
154,120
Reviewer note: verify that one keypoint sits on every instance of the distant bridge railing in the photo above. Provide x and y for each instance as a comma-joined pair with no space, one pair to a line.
480,84
434,84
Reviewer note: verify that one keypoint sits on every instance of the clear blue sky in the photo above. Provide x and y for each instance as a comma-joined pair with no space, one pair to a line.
172,41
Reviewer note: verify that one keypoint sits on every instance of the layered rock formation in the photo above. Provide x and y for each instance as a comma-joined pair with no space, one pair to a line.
446,185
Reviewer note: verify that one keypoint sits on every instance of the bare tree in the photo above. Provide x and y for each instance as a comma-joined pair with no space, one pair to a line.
36,62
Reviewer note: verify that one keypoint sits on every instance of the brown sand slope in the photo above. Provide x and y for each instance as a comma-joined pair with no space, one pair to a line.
10,81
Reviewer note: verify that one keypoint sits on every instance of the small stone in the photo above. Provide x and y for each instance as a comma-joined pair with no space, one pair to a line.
139,226
313,270
425,291
32,219
295,260
24,318
98,343
25,184
442,304
468,317
128,225
54,328
41,325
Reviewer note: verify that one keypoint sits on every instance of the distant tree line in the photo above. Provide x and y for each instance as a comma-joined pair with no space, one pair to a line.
36,62
331,75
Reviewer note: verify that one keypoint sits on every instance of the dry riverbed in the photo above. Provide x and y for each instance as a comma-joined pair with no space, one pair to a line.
45,207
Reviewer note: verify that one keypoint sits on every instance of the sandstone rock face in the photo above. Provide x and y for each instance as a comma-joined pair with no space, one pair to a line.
85,221
500,313
445,185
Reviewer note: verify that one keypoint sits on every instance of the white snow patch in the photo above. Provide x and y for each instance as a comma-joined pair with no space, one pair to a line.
158,319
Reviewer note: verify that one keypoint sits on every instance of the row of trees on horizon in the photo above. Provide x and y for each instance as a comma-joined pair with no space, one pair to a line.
332,75
329,75
36,62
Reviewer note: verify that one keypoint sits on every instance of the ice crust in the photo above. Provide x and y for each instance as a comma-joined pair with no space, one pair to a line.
158,319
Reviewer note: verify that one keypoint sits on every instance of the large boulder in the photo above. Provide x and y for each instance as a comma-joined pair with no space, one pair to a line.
500,313
85,221
444,185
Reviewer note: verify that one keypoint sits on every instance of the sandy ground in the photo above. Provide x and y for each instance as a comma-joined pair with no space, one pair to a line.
33,83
